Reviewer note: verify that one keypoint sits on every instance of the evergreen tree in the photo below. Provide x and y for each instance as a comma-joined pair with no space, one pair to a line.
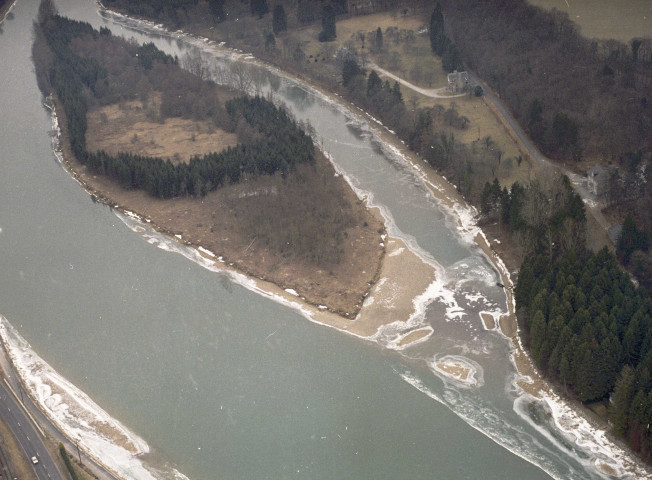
374,84
259,7
537,334
216,8
396,92
438,39
350,69
378,39
328,24
279,22
631,239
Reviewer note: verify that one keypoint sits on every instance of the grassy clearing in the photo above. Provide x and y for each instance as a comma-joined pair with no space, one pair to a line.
131,126
617,19
483,122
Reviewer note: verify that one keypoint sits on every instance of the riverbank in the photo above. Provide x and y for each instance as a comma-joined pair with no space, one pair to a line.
6,8
293,298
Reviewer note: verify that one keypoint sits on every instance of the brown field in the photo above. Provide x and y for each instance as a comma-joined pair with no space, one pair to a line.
618,19
128,127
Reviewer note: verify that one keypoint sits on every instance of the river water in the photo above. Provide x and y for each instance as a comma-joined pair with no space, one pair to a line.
223,383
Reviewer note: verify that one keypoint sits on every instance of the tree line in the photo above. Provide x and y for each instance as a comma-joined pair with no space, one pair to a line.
279,147
441,45
589,328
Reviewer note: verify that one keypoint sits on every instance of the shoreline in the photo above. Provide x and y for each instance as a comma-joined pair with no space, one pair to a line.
397,261
4,11
447,195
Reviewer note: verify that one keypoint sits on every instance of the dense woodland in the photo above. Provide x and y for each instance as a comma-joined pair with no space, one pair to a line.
590,329
544,68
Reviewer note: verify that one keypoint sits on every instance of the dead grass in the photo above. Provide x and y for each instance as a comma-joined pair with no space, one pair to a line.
130,126
213,223
621,20
216,223
483,121
454,369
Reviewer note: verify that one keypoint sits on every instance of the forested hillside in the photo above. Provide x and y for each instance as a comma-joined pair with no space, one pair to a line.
580,100
555,81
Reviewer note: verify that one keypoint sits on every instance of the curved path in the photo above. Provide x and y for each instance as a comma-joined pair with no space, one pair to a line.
428,92
593,204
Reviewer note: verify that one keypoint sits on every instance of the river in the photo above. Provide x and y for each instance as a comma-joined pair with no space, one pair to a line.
223,383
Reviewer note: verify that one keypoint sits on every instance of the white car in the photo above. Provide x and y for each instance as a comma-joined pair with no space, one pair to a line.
34,460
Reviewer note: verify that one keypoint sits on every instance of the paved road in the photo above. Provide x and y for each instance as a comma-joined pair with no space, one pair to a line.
44,423
593,205
30,440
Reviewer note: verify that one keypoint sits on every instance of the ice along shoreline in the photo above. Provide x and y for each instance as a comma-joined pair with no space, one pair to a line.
289,298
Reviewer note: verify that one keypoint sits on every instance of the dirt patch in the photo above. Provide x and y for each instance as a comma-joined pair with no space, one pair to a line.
488,320
456,370
131,126
403,277
414,336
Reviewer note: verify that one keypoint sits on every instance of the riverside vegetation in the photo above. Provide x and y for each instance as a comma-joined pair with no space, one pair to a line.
582,101
271,204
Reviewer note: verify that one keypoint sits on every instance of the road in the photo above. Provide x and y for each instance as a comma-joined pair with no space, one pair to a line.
46,468
30,440
441,92
579,182
592,204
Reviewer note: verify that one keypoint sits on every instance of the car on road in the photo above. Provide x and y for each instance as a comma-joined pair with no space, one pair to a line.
34,460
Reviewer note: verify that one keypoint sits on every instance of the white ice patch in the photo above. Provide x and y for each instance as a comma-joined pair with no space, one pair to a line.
391,335
76,415
446,366
292,291
572,432
207,252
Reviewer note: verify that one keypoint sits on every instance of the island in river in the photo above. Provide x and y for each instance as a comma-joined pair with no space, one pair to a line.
141,133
